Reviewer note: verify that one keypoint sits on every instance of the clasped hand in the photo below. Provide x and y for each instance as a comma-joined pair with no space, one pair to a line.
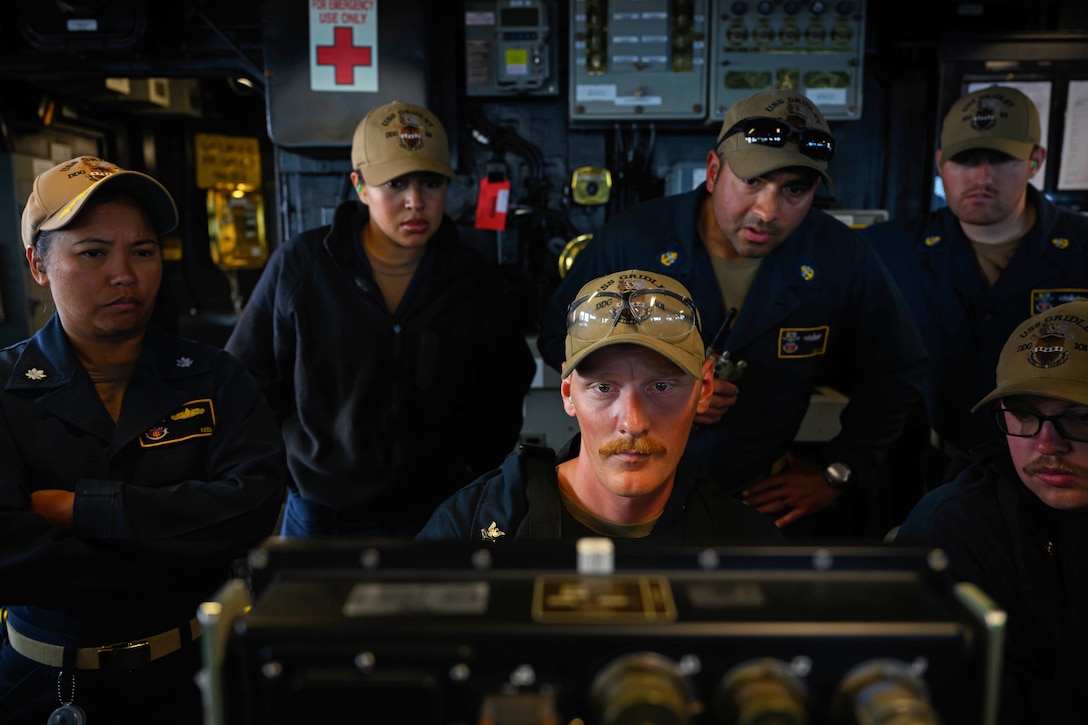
55,505
797,491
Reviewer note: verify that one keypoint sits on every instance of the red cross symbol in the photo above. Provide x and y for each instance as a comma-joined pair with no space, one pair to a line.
343,55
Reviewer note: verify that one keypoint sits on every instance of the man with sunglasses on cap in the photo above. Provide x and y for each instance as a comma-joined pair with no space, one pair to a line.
363,334
635,376
815,304
998,253
1015,522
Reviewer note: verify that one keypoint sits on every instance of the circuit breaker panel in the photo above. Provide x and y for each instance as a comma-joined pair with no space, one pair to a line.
816,47
638,59
510,48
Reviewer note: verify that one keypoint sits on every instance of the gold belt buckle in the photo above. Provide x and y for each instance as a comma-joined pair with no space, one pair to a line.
127,656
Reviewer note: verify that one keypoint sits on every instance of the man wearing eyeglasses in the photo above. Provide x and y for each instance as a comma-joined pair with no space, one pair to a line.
999,252
635,376
813,305
1015,522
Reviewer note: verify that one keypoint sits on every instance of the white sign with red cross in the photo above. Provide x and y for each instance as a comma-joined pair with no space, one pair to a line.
344,45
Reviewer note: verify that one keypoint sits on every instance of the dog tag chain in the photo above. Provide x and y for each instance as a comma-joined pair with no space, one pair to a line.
67,713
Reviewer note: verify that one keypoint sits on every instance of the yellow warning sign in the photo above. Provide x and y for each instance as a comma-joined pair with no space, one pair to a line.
227,162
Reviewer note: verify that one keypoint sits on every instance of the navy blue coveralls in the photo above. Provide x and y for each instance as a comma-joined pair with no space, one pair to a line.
189,478
502,505
384,414
1032,560
964,324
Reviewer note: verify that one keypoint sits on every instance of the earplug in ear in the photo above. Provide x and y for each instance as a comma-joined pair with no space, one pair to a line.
1034,165
359,188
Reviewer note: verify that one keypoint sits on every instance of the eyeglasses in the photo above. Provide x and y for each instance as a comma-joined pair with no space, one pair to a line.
812,142
659,312
1025,424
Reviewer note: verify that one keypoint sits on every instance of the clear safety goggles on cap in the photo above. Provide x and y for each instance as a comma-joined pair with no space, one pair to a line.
774,132
658,312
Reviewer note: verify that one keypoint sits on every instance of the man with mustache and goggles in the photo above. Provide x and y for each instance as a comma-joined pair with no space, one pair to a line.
1015,522
814,305
635,376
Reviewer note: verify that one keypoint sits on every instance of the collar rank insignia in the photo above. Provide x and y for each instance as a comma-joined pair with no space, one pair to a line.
185,362
669,258
492,532
35,374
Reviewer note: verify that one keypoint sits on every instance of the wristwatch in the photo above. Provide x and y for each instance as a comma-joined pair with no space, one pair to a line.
837,475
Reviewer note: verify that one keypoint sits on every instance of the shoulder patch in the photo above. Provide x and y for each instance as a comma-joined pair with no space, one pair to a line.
798,342
195,419
1043,299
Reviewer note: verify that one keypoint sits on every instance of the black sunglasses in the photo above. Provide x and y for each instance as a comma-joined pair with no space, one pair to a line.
812,142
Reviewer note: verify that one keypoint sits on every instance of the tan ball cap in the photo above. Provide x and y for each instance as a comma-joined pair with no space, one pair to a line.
749,160
686,350
999,118
60,193
1046,355
397,139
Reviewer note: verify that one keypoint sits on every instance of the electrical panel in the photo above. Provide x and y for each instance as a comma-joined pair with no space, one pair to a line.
815,47
638,59
510,48
598,631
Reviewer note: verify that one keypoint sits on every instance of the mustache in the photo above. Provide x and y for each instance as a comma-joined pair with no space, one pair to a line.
643,446
1056,465
754,221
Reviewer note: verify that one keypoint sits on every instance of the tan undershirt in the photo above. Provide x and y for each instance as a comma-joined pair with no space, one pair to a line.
110,381
994,258
735,279
603,526
393,275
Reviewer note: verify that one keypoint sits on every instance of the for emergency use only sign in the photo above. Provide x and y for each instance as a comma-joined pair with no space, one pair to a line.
344,45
